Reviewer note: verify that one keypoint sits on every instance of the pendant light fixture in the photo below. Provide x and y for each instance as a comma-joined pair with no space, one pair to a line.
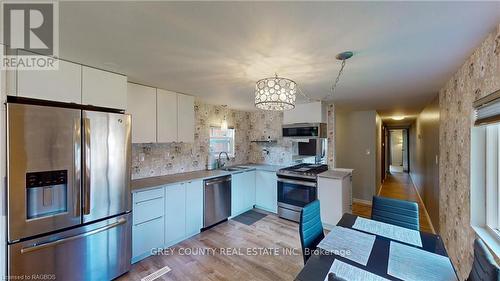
275,93
278,93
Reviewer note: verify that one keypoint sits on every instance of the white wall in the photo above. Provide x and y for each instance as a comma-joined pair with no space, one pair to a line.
355,148
424,161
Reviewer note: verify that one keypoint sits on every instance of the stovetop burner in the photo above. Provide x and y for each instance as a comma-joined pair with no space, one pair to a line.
303,170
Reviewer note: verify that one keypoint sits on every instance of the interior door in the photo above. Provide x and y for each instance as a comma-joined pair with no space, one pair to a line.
43,169
405,151
106,180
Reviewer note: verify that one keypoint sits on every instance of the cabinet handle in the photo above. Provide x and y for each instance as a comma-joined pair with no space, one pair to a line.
143,222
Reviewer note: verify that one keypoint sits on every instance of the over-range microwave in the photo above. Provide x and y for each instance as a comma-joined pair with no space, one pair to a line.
305,131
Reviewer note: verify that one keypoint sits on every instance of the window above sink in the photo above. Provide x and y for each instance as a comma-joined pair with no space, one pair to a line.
221,141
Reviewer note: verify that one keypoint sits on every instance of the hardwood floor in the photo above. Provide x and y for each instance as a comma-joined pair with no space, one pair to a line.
269,233
231,241
362,210
400,186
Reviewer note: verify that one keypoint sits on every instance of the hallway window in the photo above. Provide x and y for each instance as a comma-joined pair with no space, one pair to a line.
485,173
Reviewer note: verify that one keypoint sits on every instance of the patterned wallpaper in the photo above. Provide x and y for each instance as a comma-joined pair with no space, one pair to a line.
150,160
331,135
158,159
478,77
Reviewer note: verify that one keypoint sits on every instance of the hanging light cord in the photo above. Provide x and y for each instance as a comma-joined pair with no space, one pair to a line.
332,89
334,86
309,99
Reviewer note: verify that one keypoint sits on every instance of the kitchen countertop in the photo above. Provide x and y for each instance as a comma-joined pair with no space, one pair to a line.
152,182
336,173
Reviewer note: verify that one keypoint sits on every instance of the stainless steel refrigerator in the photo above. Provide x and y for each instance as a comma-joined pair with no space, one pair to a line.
69,202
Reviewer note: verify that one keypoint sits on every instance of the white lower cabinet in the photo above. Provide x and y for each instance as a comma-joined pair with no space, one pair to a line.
266,191
175,213
335,196
194,207
148,222
165,216
242,192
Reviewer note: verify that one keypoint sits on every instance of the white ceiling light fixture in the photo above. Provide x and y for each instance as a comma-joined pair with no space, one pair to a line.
275,93
398,118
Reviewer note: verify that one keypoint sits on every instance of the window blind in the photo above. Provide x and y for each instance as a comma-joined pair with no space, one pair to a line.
487,109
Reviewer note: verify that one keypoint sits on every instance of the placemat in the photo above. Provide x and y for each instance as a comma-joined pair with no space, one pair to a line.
390,231
348,243
413,264
352,273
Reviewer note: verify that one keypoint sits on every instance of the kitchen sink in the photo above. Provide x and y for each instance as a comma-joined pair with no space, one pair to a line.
234,168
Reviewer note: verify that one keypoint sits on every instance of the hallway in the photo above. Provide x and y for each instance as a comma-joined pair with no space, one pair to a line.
398,186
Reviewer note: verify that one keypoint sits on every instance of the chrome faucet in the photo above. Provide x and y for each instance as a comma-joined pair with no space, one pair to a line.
219,165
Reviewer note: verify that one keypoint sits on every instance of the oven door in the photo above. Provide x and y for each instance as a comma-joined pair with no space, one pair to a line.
296,192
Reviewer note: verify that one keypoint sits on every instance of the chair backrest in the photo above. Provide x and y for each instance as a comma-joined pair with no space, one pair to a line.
484,267
310,228
397,212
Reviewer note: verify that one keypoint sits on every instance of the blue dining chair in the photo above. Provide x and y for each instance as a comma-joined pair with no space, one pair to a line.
394,211
484,267
310,229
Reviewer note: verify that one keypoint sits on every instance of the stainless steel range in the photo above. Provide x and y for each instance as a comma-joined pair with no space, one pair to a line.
297,187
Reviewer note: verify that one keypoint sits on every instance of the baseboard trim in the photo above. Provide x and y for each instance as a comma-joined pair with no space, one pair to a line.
423,204
380,188
362,201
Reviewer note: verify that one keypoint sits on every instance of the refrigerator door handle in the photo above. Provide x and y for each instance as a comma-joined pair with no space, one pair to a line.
36,247
87,159
77,172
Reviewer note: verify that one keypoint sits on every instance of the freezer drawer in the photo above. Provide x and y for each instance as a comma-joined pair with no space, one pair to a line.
99,251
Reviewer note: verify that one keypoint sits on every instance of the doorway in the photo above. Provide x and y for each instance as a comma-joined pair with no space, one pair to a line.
398,157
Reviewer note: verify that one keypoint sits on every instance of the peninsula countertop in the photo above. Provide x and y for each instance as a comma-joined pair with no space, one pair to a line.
152,182
336,173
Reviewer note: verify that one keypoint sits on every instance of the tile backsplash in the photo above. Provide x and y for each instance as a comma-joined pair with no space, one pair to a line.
157,159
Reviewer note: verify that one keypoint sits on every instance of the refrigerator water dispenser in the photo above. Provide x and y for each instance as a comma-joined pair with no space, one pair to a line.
46,193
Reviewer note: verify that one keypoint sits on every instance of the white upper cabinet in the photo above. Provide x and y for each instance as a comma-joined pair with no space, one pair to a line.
104,89
313,112
185,118
141,104
166,108
63,84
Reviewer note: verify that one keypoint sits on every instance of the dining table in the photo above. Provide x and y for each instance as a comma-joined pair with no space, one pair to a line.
319,264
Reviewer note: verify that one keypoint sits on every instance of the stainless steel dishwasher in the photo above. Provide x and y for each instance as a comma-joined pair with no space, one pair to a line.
216,200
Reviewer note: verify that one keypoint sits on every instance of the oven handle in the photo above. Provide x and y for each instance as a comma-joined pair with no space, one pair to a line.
306,183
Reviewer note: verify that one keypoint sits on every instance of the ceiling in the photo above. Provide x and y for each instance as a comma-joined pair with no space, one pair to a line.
404,51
